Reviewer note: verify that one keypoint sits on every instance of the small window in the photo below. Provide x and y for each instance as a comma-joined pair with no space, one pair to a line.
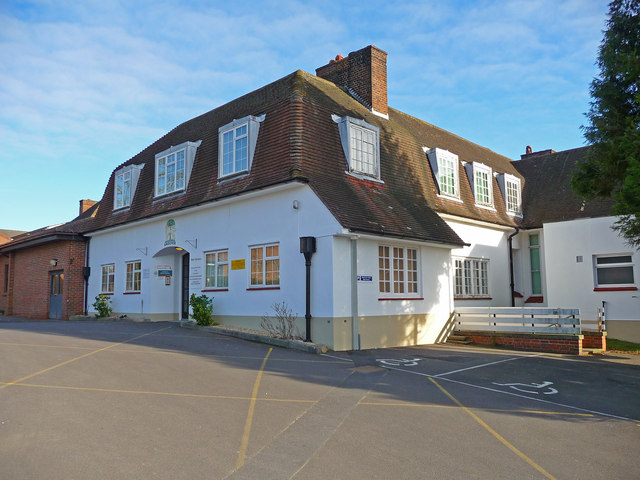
614,271
217,269
134,276
536,269
482,185
123,189
126,180
445,167
471,277
237,143
170,173
361,145
173,168
265,266
108,278
397,270
513,199
481,180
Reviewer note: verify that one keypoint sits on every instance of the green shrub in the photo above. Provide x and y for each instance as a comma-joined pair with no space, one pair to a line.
202,307
103,306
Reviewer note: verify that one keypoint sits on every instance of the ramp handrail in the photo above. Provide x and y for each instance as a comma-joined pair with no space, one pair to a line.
518,319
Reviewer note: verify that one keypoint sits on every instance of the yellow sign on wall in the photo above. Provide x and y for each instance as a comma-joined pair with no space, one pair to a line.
237,264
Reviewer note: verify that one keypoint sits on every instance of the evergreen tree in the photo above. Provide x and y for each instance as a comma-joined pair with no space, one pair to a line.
612,167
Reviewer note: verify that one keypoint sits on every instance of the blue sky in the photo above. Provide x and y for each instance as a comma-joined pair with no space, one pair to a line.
85,85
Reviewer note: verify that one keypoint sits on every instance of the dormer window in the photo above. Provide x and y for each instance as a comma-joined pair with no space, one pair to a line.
237,143
511,191
173,168
126,180
445,168
361,145
481,180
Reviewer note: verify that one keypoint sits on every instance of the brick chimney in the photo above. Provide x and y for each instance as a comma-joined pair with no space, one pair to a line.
363,74
86,205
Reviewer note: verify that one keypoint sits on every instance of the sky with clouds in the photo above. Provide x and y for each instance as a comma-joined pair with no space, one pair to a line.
85,85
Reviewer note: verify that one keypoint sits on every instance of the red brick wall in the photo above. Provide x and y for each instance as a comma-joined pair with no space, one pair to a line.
29,295
364,71
569,344
594,340
5,259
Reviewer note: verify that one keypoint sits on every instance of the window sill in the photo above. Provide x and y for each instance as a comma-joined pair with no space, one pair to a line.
167,196
399,298
262,288
449,197
215,290
131,293
535,299
491,208
233,176
364,176
105,293
472,298
615,289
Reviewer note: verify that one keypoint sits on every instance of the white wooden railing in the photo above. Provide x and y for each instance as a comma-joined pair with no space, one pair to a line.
518,319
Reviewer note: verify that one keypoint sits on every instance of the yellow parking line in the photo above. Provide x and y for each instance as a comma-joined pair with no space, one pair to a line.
43,346
45,370
247,426
170,394
496,434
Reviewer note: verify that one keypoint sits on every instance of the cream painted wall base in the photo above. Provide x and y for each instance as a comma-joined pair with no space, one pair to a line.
628,330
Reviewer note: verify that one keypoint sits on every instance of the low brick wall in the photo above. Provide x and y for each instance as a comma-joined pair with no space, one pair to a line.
550,343
594,339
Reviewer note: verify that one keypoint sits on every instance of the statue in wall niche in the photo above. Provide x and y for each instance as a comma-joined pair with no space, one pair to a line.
170,232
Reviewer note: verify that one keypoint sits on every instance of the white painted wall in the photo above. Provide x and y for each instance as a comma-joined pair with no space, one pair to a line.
486,243
571,283
264,218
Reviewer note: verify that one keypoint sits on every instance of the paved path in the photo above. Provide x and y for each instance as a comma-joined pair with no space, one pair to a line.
94,400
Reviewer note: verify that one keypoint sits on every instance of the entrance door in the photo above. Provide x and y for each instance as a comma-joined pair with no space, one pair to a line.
56,283
185,286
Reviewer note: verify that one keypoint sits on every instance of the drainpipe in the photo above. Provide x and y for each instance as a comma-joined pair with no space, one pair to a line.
308,248
86,271
355,329
511,282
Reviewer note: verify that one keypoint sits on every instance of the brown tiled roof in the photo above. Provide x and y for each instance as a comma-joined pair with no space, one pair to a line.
65,231
299,141
547,195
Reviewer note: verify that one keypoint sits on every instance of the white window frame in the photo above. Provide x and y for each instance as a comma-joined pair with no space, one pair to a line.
108,273
512,194
171,159
468,276
170,156
362,162
398,271
220,262
623,263
264,266
125,181
131,276
122,197
481,171
446,169
251,126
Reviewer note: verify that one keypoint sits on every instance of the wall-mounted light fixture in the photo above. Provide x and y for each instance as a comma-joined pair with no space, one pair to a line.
53,262
296,204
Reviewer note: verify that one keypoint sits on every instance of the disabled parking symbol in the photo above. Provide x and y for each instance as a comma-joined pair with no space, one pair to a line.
535,388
